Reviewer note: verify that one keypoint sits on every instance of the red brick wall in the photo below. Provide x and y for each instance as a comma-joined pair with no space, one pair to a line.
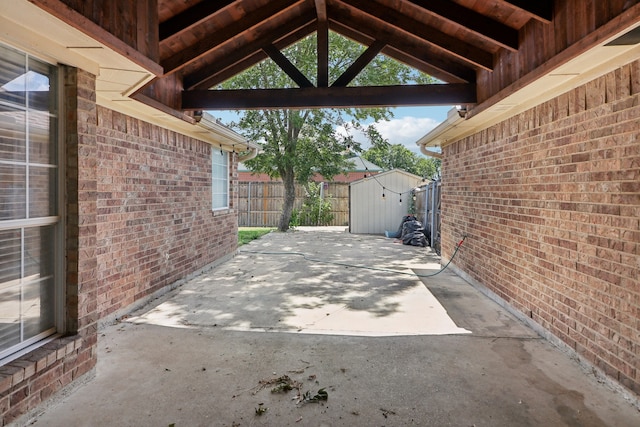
550,200
138,219
154,219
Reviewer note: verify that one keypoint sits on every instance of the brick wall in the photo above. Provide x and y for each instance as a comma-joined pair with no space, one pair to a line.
138,218
154,219
550,200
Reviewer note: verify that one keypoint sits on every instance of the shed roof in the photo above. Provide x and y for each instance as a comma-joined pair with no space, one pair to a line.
359,165
385,175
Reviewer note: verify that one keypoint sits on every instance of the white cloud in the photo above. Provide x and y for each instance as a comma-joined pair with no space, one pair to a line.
405,130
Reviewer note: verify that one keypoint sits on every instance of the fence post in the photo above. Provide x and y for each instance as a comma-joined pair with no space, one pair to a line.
434,212
425,221
320,204
249,205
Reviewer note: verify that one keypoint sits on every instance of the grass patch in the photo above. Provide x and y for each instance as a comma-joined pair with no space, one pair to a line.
247,234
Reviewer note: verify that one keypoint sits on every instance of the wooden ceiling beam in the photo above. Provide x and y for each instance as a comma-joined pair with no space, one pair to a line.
190,18
359,64
321,10
408,52
343,97
322,43
458,48
290,70
477,23
186,56
541,10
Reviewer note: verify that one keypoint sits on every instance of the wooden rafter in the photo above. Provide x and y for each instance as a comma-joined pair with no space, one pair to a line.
190,18
411,27
183,58
343,97
482,26
541,10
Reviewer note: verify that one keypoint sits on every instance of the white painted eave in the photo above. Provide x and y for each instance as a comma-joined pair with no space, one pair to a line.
27,27
588,66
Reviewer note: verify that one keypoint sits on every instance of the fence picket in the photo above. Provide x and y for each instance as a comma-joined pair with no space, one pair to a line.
260,203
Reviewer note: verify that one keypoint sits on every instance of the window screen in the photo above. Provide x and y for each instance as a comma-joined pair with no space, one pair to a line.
220,179
29,214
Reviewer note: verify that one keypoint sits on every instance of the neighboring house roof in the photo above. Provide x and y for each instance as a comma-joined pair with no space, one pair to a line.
363,165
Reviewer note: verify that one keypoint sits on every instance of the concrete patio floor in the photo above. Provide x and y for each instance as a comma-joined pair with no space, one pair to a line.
390,349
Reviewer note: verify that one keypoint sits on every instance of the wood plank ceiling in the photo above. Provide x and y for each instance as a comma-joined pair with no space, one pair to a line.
203,43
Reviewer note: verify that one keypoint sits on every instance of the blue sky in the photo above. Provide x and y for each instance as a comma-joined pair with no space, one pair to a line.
408,125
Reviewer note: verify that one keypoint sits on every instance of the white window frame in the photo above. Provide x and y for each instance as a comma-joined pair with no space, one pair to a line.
43,337
219,177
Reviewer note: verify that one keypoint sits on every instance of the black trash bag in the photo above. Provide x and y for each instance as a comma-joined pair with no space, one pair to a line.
416,238
413,234
411,226
405,218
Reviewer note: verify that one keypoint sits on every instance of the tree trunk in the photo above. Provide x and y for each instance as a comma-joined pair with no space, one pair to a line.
289,199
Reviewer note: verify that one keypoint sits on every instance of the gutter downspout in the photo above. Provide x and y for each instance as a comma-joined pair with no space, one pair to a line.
455,116
253,152
423,150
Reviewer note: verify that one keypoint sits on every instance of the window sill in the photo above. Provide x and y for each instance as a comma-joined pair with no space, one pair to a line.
22,368
220,212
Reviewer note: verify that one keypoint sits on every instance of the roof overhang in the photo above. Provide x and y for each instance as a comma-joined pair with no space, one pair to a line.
558,76
118,76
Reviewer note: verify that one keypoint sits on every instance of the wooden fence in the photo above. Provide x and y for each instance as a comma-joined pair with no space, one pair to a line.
260,203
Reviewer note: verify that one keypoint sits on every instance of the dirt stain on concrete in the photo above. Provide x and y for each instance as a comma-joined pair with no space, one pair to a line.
569,404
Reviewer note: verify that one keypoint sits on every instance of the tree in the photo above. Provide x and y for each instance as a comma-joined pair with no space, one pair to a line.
428,167
296,144
392,156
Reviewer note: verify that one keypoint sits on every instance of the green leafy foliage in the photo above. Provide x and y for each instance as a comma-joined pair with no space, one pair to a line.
316,208
397,156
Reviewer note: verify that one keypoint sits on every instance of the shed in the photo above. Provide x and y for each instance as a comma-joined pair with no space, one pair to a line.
378,203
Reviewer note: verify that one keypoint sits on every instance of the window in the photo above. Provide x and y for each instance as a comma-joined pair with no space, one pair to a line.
220,179
29,211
